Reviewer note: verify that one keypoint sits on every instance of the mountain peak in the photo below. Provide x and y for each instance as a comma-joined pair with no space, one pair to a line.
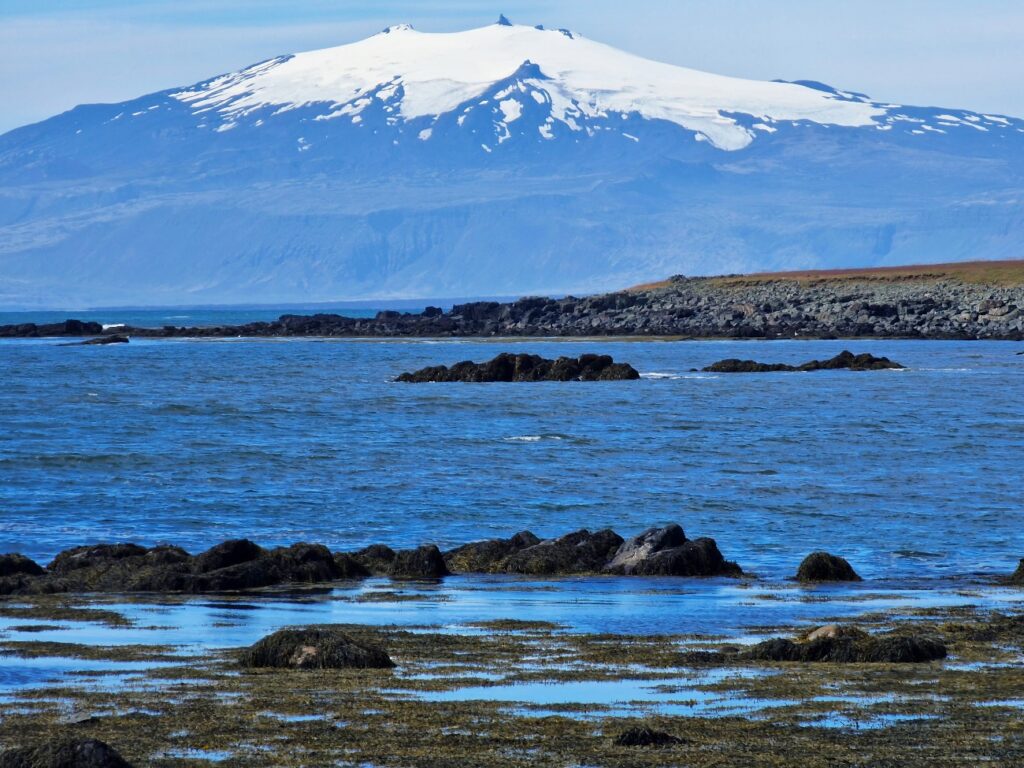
397,28
503,21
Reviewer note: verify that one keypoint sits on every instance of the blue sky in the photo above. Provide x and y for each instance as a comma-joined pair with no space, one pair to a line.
58,53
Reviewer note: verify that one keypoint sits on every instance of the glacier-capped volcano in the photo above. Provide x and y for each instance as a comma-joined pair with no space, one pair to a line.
501,160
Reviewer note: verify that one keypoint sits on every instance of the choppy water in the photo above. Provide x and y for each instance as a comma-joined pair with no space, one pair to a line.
914,473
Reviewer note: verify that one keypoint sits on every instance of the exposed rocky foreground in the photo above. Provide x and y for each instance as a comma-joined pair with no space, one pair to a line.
509,367
972,301
844,361
883,692
240,564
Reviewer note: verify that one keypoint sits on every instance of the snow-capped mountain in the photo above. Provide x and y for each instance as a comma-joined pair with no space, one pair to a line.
501,160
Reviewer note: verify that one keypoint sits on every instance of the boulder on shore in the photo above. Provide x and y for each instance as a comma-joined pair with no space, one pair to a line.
848,645
843,361
644,736
314,648
508,367
64,753
822,566
667,552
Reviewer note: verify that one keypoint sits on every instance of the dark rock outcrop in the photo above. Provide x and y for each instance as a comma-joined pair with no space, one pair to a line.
842,361
376,558
507,367
575,553
644,736
64,753
314,648
114,338
425,562
1017,577
821,566
849,645
13,564
667,552
487,556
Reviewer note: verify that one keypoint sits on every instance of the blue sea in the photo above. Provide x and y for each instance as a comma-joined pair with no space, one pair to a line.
910,474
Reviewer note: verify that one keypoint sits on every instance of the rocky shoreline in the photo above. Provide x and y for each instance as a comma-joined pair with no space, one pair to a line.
921,305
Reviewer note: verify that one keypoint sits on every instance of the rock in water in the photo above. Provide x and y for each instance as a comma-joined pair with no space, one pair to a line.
842,361
487,556
64,753
645,737
314,648
667,552
574,553
508,367
425,562
821,566
13,564
115,338
1016,578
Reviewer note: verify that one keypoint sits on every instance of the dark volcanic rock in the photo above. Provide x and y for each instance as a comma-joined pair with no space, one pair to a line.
509,367
842,361
376,558
667,552
425,562
13,564
348,567
227,554
314,648
643,736
1017,577
574,553
114,338
849,645
821,566
64,753
487,556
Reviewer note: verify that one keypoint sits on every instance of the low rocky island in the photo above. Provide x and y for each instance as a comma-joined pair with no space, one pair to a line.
508,367
843,361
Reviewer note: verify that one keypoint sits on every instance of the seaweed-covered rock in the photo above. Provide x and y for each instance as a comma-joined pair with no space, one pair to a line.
843,361
667,552
425,562
64,753
348,567
822,566
376,558
13,564
227,554
849,645
92,556
314,648
1017,577
487,556
508,367
644,736
306,563
574,553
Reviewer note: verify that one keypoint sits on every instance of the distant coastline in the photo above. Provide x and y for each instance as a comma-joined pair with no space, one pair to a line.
972,300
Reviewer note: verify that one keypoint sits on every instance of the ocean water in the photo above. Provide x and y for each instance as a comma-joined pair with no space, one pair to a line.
912,475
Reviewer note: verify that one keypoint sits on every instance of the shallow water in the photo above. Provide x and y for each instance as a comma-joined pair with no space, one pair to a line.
908,474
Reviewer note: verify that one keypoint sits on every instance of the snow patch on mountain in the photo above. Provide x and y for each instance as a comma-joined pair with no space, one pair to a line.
432,74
